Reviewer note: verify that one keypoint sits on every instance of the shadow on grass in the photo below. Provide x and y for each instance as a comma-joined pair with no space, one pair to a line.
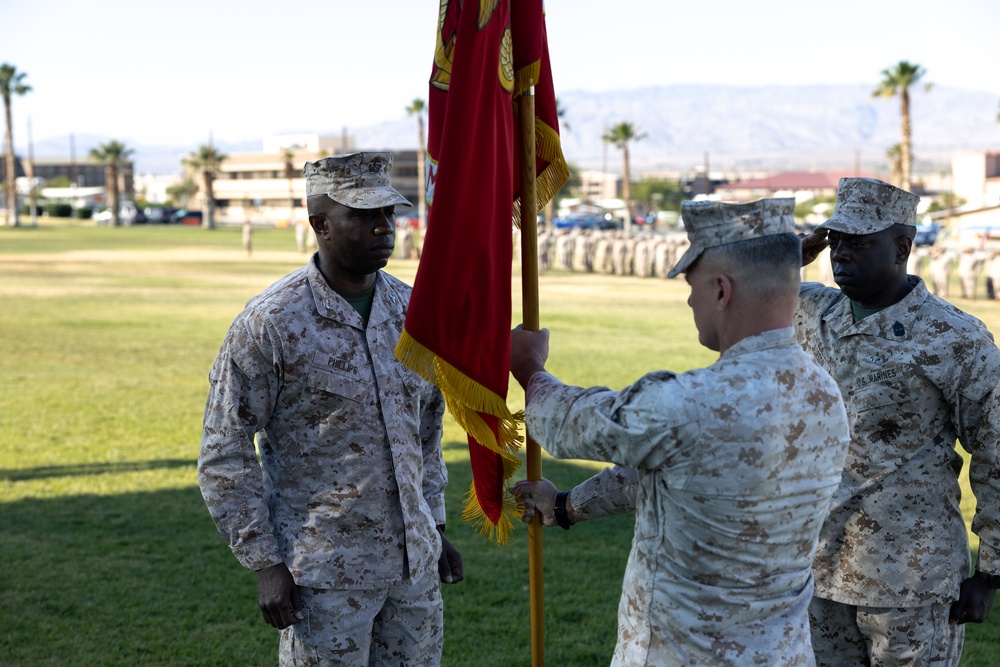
136,579
84,469
145,579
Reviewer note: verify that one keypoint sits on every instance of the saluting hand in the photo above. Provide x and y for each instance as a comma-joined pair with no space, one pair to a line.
812,245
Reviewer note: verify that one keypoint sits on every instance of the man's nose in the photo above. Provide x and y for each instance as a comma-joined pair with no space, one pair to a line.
383,223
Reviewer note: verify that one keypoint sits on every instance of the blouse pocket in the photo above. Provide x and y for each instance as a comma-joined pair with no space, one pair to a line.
329,386
884,420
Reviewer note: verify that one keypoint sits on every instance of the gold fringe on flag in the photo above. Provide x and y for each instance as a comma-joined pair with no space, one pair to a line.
473,513
465,399
548,148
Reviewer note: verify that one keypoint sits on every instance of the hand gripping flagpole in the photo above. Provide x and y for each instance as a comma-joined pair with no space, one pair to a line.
529,306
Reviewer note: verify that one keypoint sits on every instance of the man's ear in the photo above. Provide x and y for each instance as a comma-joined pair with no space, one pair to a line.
904,245
724,285
319,224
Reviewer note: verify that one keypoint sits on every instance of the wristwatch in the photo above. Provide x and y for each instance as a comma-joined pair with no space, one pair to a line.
562,518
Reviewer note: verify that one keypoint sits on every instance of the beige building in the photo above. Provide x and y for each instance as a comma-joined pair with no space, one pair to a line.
975,177
597,185
268,188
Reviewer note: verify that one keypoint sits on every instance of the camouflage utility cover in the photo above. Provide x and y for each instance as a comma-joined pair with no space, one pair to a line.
915,377
358,180
868,205
710,224
736,464
350,484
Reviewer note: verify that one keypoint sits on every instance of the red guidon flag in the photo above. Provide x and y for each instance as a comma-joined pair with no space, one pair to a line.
457,331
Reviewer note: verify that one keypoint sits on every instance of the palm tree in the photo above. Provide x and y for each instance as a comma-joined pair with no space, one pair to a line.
897,80
11,83
113,155
416,108
620,135
895,157
207,161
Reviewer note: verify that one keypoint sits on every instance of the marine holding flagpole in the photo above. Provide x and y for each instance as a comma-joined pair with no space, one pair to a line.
729,469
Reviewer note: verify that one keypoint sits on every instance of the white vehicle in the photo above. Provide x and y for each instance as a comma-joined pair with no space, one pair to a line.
128,214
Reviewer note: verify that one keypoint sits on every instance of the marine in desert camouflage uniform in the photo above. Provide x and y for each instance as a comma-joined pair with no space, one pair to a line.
892,569
729,469
342,517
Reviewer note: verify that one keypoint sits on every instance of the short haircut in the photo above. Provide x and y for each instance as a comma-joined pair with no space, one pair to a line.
767,265
318,204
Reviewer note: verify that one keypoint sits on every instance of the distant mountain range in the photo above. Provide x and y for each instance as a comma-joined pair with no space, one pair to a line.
735,128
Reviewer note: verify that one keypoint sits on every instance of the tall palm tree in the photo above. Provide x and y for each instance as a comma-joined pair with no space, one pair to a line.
11,83
897,80
895,157
620,135
207,161
416,108
114,156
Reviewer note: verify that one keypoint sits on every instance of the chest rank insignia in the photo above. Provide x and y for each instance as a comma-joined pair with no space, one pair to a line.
898,329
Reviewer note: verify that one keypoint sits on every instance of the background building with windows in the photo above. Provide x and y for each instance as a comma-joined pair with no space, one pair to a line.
268,188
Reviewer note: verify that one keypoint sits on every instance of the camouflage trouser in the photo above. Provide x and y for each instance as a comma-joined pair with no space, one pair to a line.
402,625
848,636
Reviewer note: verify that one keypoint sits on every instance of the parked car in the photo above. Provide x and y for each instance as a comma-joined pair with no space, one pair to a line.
585,222
128,214
926,234
158,214
186,217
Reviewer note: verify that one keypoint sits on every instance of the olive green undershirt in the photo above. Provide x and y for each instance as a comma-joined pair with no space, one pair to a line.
861,313
360,301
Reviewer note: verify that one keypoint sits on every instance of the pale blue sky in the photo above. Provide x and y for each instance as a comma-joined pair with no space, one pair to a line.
243,70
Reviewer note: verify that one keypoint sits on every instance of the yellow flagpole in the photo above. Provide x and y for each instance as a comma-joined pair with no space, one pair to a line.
530,321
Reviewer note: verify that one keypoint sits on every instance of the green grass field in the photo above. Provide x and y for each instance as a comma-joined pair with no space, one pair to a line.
109,556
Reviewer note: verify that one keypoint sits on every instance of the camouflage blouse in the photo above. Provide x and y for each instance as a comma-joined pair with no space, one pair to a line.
350,480
915,377
736,464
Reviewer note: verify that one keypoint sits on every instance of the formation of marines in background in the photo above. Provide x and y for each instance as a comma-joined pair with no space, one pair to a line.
651,254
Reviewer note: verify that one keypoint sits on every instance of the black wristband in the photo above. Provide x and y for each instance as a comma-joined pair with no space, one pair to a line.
562,518
991,580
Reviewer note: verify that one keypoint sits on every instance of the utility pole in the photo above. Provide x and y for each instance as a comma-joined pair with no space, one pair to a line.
32,194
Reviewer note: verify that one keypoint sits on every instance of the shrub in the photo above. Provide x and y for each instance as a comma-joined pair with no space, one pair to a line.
59,210
83,213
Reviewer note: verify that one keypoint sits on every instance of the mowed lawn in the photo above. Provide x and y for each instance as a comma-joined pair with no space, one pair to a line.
109,556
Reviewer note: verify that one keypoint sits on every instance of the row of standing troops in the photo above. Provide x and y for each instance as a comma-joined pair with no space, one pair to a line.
609,252
649,255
